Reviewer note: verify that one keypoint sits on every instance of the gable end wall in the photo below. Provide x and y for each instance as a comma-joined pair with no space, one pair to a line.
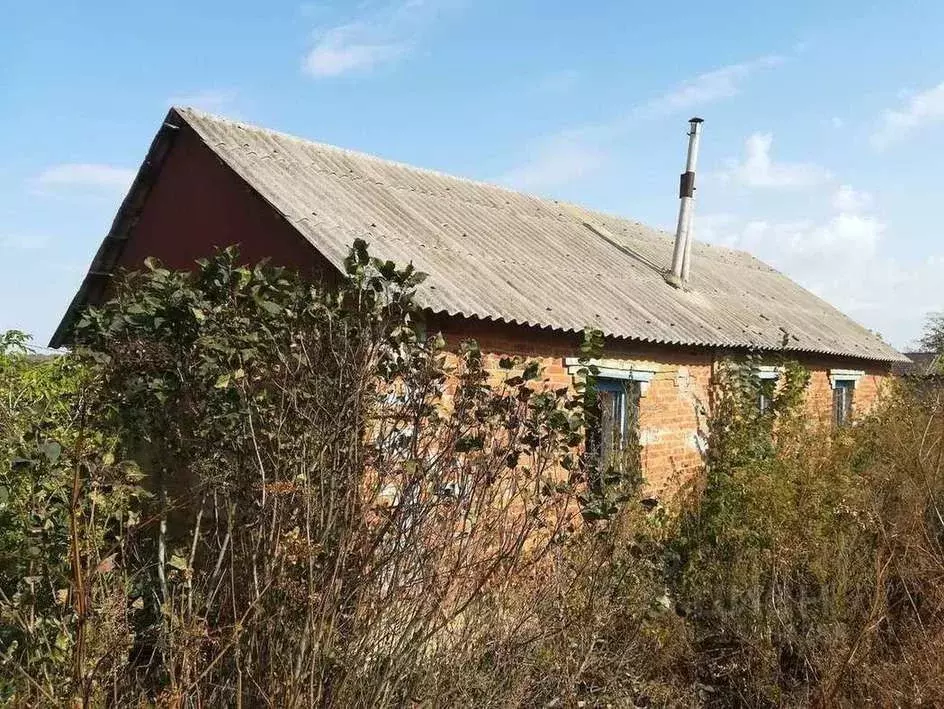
197,204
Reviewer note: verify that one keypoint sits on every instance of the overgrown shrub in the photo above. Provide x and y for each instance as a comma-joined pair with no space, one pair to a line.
809,558
245,489
67,508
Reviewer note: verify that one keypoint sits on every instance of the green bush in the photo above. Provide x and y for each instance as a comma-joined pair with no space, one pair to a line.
242,488
67,510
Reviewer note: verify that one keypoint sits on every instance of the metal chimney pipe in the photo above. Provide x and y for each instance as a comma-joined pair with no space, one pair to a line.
689,238
678,275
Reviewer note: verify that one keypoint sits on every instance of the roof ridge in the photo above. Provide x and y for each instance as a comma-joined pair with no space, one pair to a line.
356,153
564,205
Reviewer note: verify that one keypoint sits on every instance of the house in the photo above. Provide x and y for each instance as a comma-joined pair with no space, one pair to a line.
923,365
520,274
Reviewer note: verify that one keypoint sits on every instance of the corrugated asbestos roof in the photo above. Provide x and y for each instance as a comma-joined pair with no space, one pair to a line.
500,255
922,364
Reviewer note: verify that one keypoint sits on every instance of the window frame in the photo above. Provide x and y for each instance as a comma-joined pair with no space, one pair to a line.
766,373
615,369
632,380
628,392
843,382
843,400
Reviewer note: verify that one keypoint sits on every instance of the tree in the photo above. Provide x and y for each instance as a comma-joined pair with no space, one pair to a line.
933,338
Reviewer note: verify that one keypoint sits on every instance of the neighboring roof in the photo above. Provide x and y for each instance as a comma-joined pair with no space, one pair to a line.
495,254
922,364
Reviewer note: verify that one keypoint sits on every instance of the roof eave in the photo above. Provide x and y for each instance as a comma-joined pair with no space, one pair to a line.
109,252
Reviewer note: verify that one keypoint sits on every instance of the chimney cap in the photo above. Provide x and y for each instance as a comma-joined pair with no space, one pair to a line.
696,119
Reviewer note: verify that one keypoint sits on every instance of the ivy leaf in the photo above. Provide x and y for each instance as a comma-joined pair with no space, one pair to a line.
270,307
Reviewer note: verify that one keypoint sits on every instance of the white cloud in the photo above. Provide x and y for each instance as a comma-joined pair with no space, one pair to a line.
554,161
920,110
574,153
338,51
845,258
759,170
706,88
847,199
85,176
379,35
211,100
836,122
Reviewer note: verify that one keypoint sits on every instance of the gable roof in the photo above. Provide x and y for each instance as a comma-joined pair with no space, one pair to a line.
922,364
500,255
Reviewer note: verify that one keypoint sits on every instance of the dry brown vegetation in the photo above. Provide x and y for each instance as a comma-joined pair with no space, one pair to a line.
244,491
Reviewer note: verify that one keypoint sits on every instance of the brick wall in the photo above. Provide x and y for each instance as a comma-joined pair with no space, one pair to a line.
820,393
673,408
198,204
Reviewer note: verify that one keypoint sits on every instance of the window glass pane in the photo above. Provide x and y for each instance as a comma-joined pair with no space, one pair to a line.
608,438
763,403
617,439
842,402
631,429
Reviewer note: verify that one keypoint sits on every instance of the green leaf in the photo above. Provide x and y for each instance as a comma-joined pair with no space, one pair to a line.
222,381
531,371
177,562
52,450
469,443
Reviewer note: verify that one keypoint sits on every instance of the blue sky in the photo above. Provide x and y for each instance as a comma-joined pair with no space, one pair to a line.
823,137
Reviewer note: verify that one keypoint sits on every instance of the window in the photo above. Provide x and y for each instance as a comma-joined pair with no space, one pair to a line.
843,382
615,442
619,418
842,401
767,376
763,402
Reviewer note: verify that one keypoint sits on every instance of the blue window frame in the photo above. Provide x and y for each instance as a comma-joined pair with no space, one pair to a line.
843,391
618,430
